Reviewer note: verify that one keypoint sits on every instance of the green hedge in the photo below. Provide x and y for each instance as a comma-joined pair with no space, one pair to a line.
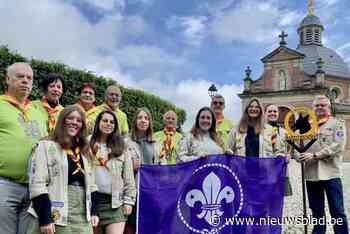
132,99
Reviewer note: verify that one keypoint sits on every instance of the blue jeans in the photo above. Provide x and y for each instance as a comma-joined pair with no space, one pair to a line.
334,191
14,203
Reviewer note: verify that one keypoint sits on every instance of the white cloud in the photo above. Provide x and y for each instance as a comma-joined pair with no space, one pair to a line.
252,21
193,28
53,30
137,56
192,95
326,3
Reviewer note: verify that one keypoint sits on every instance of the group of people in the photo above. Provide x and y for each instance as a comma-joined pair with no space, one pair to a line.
74,169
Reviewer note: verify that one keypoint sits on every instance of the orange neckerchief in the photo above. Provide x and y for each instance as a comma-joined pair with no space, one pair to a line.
51,111
322,121
219,119
85,108
99,157
168,144
23,108
75,156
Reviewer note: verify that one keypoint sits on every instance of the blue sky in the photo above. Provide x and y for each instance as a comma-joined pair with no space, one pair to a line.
173,49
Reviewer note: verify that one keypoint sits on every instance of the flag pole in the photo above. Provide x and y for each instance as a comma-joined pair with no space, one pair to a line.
304,195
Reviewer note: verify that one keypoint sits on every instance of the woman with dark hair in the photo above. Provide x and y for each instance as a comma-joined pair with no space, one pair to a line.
248,132
114,175
61,183
144,149
203,138
49,105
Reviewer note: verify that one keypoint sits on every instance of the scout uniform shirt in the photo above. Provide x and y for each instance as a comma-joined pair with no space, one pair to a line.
20,130
169,146
49,114
223,128
328,150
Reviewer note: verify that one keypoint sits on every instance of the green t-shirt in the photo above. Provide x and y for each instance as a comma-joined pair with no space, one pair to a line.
45,115
160,137
223,129
121,118
17,139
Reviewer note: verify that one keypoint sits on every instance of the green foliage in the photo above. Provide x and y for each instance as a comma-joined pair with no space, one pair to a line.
132,99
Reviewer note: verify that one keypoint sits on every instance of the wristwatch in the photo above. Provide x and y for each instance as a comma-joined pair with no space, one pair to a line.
314,156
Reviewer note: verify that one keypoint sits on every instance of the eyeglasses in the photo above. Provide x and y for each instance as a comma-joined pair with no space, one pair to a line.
218,103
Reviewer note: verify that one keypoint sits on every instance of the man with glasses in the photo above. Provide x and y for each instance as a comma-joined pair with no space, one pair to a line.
323,168
223,125
113,97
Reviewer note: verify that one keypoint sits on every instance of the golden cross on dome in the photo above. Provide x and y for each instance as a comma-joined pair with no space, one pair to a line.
310,7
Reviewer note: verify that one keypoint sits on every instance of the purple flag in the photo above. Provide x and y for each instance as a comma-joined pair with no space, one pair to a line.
217,195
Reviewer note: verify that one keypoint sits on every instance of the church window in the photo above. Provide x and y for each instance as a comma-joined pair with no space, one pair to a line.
282,80
317,36
308,35
301,37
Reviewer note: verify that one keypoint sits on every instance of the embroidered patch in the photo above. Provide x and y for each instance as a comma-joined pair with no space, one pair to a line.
339,135
52,149
57,203
56,215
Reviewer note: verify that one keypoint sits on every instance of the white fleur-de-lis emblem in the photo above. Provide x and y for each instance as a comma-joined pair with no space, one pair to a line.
210,198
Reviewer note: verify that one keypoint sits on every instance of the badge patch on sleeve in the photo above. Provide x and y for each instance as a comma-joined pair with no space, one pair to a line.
339,135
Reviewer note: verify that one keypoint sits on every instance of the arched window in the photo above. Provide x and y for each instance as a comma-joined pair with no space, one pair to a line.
282,80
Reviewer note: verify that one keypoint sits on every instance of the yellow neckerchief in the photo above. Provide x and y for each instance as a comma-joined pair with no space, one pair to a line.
80,104
75,156
23,108
219,119
168,144
52,111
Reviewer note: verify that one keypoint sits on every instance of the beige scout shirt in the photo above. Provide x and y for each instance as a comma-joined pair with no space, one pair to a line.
236,143
49,175
328,150
122,180
191,148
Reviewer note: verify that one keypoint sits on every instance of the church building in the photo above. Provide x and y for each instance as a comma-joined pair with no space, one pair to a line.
292,77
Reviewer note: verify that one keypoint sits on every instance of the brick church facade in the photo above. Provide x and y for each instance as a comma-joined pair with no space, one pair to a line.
292,77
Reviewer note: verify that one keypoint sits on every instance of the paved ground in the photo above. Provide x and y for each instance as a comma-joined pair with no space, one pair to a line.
293,204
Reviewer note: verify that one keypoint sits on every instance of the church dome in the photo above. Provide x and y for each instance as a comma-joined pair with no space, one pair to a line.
333,65
310,20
